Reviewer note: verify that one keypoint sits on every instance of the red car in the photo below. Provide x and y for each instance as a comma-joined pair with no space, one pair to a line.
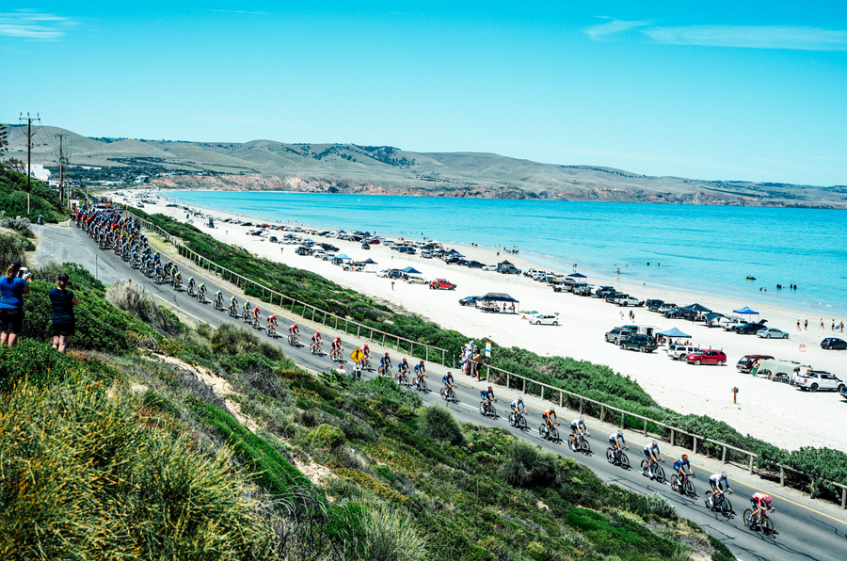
441,284
707,356
373,242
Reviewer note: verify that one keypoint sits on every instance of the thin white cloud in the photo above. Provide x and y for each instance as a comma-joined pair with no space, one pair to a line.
751,37
612,26
37,26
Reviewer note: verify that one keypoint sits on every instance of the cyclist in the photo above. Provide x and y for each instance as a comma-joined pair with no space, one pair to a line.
201,290
219,299
420,373
272,323
718,483
293,330
517,405
679,467
385,365
653,455
617,441
257,315
177,279
548,417
577,428
760,502
316,340
245,312
366,350
449,383
233,303
486,396
336,346
403,368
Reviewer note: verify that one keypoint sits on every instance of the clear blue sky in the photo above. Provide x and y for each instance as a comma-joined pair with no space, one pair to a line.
722,90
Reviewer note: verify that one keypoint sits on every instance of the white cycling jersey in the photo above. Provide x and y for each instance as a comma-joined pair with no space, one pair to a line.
649,448
575,425
614,439
516,403
716,477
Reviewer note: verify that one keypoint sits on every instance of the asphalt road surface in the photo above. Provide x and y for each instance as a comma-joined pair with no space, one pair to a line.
806,530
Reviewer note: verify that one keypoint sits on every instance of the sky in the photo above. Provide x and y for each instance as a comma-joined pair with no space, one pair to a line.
721,90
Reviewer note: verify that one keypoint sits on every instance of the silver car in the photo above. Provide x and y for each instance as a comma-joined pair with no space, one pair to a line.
772,333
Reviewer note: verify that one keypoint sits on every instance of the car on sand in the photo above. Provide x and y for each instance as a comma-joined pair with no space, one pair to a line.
833,343
707,356
442,284
772,333
544,319
814,380
469,300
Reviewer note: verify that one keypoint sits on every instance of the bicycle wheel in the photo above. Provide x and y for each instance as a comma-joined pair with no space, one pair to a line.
423,386
659,472
554,434
521,423
706,496
726,507
492,411
645,467
444,393
541,432
624,461
747,514
610,455
584,446
690,490
674,481
767,527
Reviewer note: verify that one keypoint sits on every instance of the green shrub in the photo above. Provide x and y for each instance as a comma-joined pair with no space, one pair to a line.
233,340
390,536
438,423
364,480
12,248
36,362
528,465
661,506
327,437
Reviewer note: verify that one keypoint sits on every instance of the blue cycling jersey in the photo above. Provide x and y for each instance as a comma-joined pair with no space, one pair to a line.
419,368
447,378
677,465
485,394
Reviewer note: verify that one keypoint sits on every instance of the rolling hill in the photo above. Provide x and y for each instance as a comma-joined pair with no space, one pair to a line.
351,168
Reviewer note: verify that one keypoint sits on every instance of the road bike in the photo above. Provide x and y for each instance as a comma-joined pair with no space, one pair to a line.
517,420
219,305
255,323
191,291
316,349
622,458
487,410
245,316
448,395
271,331
335,355
763,523
292,340
402,379
658,471
384,370
201,296
366,364
720,504
551,432
684,486
233,312
581,444
420,384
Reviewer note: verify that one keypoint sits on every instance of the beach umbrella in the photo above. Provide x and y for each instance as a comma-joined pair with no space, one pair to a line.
577,276
671,333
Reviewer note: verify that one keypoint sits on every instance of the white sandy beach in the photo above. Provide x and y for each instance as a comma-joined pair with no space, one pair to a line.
774,412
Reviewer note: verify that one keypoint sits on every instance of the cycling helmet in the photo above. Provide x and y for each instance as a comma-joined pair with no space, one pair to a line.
685,456
723,475
422,362
386,354
768,500
582,420
490,388
295,325
655,443
520,398
318,333
620,433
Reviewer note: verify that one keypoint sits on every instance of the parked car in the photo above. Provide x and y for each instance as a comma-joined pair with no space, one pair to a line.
628,301
509,271
582,290
677,351
470,300
730,324
653,304
612,296
615,335
643,343
749,328
426,254
303,251
814,380
490,268
329,247
544,320
707,356
745,364
414,278
665,307
442,284
474,264
833,343
383,273
772,333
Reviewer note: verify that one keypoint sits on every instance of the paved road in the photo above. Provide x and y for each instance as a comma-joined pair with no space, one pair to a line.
806,530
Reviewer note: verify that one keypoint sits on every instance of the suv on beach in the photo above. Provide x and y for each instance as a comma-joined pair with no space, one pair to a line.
582,290
612,296
470,300
665,307
707,356
814,380
616,334
677,351
628,301
833,343
426,254
509,271
643,343
750,328
653,304
442,284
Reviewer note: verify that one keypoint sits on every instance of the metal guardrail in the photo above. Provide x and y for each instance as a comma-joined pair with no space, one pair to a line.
674,432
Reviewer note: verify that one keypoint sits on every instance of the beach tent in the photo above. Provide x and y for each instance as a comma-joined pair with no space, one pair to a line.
712,317
338,259
411,271
577,276
673,333
696,308
498,297
745,311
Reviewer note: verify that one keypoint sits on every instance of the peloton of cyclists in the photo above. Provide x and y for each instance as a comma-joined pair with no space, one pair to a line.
578,428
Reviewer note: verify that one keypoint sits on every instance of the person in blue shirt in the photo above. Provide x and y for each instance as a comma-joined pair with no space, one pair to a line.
385,365
679,467
64,322
12,290
487,396
449,384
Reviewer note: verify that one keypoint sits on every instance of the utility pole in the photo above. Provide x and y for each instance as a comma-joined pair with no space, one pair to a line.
61,168
29,121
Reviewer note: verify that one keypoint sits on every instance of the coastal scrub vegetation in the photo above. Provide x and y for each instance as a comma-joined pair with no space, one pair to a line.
178,452
13,197
594,381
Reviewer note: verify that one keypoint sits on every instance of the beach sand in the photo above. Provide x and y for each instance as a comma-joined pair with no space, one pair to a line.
773,412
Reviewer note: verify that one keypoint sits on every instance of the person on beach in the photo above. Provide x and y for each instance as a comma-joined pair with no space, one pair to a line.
822,327
12,289
798,325
842,327
833,325
806,325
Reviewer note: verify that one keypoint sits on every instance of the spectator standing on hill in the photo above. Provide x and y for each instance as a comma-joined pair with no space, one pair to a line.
12,290
64,322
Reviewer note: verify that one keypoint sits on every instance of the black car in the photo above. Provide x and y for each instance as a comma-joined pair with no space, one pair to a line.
751,328
329,247
833,343
469,300
610,297
653,304
474,264
582,290
453,260
643,343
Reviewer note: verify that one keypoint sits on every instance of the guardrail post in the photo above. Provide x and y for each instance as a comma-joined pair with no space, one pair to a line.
673,433
695,444
507,380
323,322
844,498
645,427
336,323
411,349
602,412
723,456
750,469
313,312
383,339
781,476
280,301
580,406
623,418
561,398
358,329
542,393
398,344
444,357
524,387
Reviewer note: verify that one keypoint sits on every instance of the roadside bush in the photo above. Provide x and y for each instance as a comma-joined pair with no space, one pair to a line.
49,272
438,423
661,507
233,340
390,536
12,248
327,437
20,224
528,465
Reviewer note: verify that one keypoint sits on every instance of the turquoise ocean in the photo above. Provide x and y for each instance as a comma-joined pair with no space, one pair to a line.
705,249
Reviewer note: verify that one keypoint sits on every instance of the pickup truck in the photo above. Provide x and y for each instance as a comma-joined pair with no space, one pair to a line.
731,323
628,301
612,296
509,271
815,380
677,352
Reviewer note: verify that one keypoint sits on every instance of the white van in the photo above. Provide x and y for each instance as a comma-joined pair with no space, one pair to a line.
414,278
